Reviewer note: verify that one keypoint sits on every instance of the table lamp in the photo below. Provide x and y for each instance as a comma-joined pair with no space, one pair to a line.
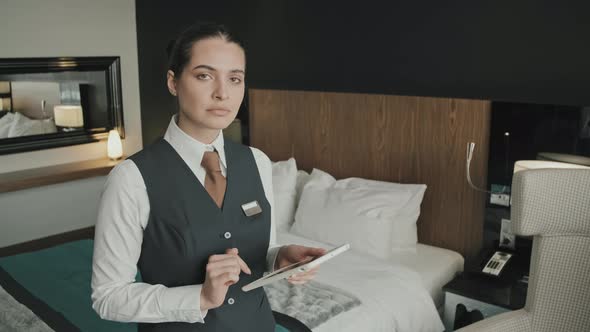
114,146
68,116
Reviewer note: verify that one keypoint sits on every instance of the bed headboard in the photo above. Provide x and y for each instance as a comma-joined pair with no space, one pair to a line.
391,138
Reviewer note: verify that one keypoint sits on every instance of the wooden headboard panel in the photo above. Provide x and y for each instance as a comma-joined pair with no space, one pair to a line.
391,138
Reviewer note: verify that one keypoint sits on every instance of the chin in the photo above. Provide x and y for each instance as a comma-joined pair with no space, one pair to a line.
219,123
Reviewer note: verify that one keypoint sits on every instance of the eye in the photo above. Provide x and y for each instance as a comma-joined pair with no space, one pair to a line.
236,80
203,76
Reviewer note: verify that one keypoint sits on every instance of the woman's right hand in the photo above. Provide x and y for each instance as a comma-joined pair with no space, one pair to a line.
222,271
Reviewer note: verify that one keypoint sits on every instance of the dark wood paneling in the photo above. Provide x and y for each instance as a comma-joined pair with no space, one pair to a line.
390,138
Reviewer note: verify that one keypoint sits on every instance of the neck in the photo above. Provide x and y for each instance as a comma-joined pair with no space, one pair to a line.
200,133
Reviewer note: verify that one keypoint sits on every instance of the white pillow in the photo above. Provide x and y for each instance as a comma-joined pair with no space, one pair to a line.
24,126
284,176
302,178
5,124
375,217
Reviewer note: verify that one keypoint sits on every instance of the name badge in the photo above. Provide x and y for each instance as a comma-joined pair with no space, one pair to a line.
251,208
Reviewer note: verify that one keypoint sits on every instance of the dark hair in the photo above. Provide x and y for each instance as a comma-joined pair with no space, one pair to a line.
179,50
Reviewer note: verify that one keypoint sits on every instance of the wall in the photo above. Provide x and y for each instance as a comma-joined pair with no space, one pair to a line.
66,28
35,213
522,51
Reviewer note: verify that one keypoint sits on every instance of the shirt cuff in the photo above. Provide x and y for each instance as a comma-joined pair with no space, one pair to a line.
186,301
271,258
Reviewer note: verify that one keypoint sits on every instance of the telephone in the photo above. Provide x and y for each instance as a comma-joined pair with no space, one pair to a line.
497,263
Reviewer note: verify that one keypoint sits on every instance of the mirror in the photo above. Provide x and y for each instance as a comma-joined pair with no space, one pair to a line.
51,102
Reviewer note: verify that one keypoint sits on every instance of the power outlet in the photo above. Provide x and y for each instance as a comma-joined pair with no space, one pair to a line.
500,199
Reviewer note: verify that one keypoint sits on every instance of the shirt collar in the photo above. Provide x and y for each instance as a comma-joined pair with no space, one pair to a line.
190,149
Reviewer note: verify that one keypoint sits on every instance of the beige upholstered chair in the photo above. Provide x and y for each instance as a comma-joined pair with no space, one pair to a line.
554,206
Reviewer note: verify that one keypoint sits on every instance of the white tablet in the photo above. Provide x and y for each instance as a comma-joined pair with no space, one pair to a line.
287,271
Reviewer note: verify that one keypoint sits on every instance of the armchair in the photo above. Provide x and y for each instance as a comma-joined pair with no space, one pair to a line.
553,205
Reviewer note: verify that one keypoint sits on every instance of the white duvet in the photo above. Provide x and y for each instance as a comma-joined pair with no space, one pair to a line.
17,124
393,296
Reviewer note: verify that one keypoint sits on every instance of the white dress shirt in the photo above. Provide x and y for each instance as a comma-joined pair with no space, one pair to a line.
123,216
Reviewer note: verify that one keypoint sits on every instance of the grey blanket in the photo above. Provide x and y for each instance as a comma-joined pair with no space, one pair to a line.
16,317
311,303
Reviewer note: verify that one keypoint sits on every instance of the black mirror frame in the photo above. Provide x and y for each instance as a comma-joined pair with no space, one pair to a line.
111,67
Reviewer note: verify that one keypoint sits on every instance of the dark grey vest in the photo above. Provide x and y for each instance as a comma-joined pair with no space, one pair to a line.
185,227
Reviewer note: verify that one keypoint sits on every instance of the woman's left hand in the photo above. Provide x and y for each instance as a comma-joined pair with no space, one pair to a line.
292,254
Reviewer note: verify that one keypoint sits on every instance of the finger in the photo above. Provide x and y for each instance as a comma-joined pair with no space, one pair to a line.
230,260
305,272
231,251
226,269
314,251
310,272
303,277
216,258
227,279
233,259
243,265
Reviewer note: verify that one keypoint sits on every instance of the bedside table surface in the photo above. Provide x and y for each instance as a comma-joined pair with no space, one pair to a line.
508,294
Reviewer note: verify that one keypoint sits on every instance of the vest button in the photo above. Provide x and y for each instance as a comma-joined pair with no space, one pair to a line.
231,301
227,235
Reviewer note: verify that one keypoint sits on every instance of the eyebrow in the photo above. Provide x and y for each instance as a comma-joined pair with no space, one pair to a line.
213,69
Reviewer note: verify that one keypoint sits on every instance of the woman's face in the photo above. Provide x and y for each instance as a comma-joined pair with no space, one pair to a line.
210,88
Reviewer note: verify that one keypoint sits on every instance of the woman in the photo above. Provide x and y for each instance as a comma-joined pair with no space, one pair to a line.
193,211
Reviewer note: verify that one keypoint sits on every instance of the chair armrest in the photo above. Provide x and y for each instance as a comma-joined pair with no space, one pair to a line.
513,321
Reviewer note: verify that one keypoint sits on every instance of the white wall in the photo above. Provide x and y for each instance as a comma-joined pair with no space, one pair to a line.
39,212
52,28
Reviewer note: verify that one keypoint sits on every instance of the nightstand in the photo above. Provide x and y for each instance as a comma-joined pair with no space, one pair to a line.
487,294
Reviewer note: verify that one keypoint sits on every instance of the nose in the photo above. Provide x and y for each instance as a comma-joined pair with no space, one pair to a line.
220,92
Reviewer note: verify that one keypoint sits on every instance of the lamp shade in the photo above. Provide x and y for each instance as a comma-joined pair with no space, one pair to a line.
5,87
522,165
5,104
114,146
68,116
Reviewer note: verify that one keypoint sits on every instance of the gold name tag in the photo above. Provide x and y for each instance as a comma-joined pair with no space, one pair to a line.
251,208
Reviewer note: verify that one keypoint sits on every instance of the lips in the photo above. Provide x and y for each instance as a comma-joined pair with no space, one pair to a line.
219,111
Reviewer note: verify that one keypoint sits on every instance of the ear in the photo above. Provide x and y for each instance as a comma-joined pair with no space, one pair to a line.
171,82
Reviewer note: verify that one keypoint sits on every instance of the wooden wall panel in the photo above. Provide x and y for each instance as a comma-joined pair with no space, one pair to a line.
391,138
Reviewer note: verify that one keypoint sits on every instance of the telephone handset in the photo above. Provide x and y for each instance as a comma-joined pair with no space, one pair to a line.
497,263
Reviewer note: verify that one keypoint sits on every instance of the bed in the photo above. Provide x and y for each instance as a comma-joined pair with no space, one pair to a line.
436,267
